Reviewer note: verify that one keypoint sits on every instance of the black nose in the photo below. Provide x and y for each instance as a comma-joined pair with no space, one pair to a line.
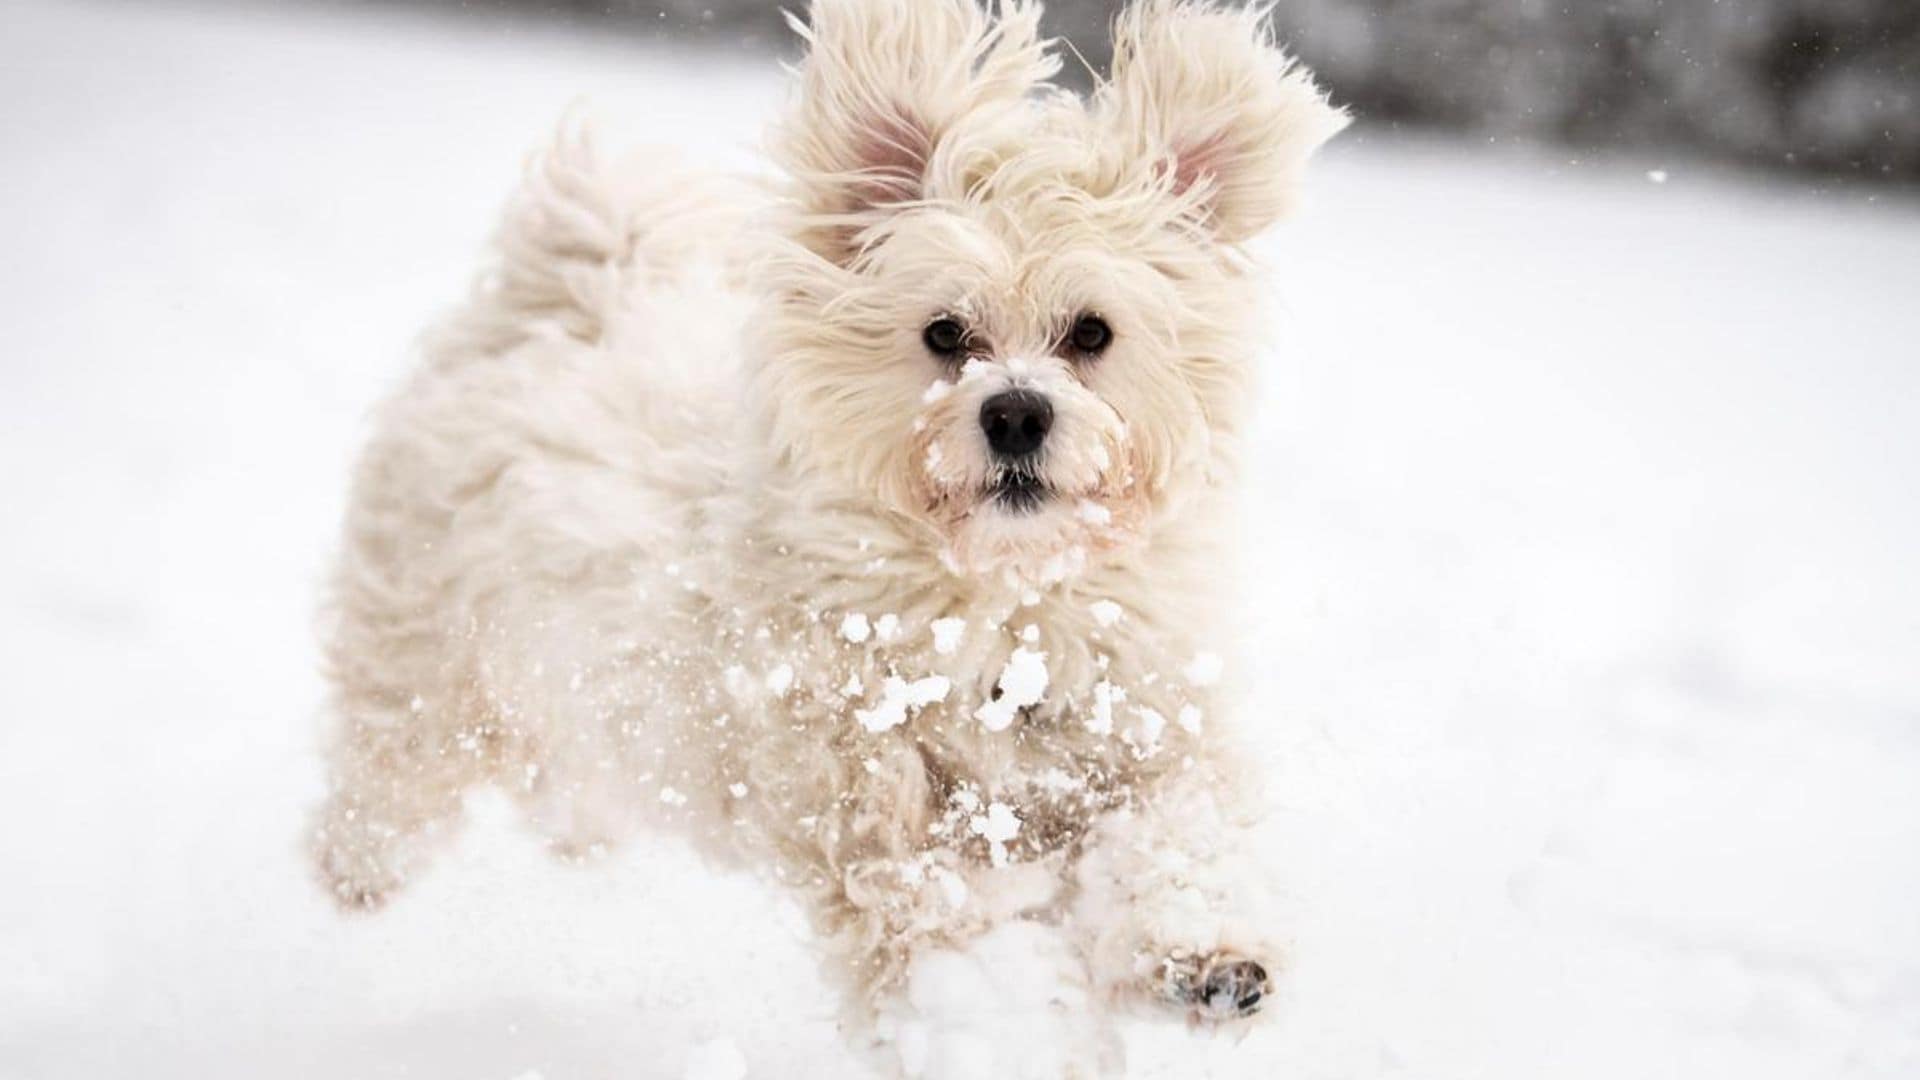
1016,422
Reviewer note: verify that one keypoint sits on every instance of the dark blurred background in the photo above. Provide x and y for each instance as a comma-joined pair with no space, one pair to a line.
1824,86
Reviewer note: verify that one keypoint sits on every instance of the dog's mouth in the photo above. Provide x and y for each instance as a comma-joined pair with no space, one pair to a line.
1018,492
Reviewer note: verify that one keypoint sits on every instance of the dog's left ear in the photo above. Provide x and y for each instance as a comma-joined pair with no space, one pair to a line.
1203,96
888,90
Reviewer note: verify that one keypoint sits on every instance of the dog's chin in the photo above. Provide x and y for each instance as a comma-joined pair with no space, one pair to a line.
1024,531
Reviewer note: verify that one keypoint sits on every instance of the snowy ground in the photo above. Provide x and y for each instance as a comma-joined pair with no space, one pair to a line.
1590,661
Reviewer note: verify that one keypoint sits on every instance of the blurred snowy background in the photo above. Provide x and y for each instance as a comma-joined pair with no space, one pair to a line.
1589,512
1809,85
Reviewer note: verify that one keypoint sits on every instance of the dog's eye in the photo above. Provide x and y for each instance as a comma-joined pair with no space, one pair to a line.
944,337
1091,335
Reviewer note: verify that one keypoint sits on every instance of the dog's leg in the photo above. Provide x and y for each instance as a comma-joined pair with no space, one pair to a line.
396,788
949,966
1174,910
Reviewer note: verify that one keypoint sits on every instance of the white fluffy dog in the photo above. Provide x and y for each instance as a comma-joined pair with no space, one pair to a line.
871,527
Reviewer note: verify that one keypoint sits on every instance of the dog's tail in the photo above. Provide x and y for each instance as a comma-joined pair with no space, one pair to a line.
581,233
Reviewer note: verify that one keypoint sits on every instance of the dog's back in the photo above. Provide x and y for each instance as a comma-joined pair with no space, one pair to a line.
565,429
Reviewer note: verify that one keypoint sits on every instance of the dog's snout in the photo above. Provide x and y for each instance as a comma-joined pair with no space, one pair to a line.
1016,422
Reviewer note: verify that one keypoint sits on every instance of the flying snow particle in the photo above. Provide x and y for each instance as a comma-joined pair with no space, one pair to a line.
1106,612
1092,513
1023,682
897,696
780,679
718,1059
947,634
1658,176
887,626
1152,725
998,825
1101,722
1189,719
855,628
1030,633
854,687
1205,669
672,797
737,790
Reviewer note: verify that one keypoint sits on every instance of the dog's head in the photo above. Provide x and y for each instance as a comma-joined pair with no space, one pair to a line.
1019,318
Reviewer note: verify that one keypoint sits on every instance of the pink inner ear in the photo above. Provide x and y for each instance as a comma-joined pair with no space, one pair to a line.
892,153
1194,162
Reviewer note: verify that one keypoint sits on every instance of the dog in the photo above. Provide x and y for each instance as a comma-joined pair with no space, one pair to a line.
868,524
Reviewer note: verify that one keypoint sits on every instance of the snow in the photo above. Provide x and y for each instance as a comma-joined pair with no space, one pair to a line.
947,634
1104,695
1022,682
719,1059
855,628
1582,665
1204,669
898,697
1106,613
1092,512
1146,735
998,825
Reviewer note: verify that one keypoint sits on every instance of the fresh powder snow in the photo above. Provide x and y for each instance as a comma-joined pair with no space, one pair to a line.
1579,649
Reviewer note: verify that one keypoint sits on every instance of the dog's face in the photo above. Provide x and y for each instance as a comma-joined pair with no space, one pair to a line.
1014,317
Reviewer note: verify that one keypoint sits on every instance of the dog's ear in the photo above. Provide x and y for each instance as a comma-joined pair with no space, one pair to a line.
1202,95
884,88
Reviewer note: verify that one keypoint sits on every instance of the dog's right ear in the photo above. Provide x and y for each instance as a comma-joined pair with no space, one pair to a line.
885,90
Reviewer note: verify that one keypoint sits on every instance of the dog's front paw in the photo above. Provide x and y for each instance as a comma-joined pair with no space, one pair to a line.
1218,987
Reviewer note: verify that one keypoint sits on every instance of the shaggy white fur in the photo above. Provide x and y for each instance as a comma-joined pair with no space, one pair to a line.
688,520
